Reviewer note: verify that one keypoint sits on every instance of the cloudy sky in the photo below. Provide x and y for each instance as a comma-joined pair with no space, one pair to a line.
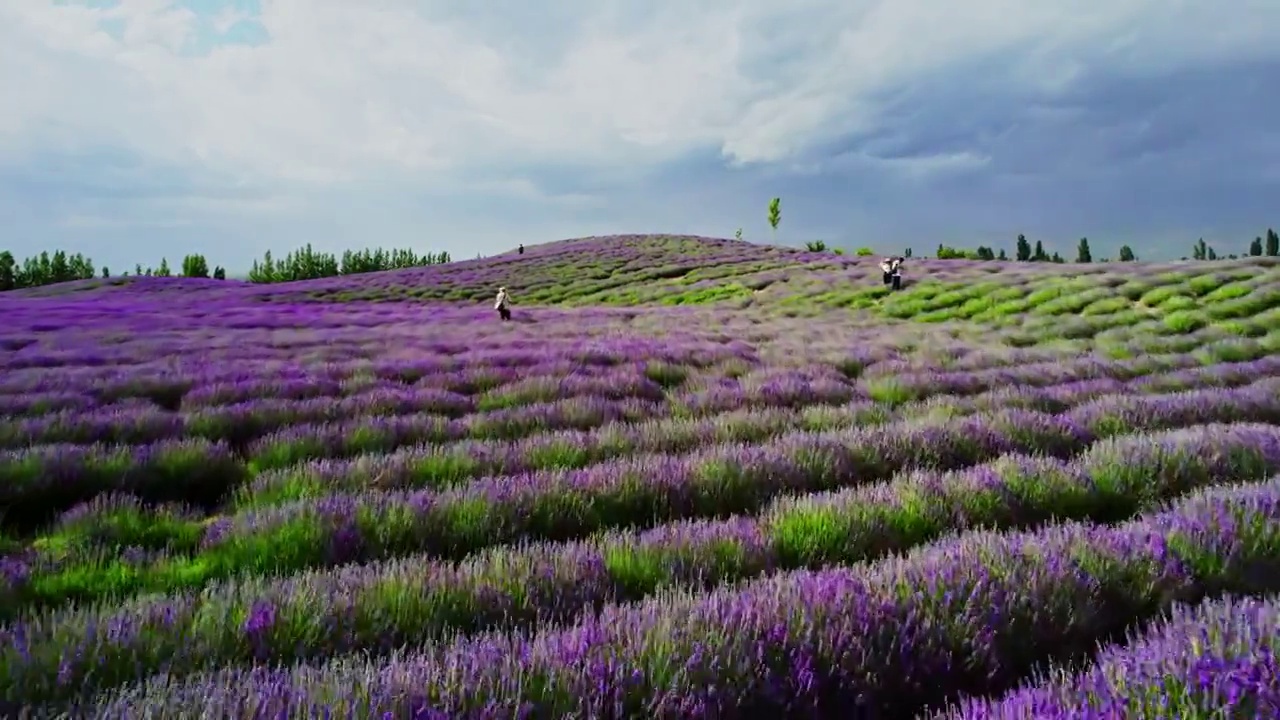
140,128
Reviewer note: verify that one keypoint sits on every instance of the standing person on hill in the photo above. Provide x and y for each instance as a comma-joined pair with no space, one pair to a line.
886,267
501,305
521,250
895,272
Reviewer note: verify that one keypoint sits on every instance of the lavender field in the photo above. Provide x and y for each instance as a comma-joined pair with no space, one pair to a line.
691,478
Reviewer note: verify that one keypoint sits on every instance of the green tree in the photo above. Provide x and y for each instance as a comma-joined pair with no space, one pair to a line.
1002,255
106,272
264,271
8,271
865,252
1023,249
1273,243
1126,254
1039,254
46,271
163,270
59,271
219,273
775,216
1082,252
1255,247
1200,251
195,266
80,267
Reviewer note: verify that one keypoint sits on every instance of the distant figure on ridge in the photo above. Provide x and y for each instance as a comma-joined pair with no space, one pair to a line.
521,250
501,304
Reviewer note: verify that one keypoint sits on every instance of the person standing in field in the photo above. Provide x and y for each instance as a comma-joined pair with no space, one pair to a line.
886,267
895,272
521,250
501,305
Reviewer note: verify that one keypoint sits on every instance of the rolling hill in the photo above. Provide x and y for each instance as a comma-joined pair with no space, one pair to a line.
692,478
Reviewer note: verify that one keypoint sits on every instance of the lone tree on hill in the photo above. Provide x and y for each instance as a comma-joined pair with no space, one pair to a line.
1126,254
775,216
1255,247
1273,243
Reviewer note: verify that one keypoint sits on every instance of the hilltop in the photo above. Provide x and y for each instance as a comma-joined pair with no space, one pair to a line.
1233,297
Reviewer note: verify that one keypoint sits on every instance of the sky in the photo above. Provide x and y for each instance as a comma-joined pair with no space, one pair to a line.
138,129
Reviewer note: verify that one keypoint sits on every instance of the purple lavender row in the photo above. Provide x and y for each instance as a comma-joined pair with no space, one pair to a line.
711,482
45,479
174,391
244,422
290,477
438,466
563,504
222,378
131,422
46,402
291,384
240,424
1038,374
382,434
544,381
298,443
60,654
1217,659
152,378
542,355
974,614
37,483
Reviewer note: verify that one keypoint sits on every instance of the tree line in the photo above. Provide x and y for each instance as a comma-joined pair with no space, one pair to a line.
1024,251
304,264
307,264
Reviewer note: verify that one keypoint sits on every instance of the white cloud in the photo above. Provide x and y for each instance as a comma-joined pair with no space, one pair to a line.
345,91
578,116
